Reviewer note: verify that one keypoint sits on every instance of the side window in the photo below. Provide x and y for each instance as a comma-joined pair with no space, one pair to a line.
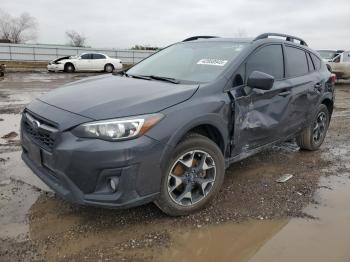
268,59
296,62
346,57
98,56
309,61
86,56
317,61
238,78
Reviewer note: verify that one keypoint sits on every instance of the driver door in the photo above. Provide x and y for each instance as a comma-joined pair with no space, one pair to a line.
260,114
84,62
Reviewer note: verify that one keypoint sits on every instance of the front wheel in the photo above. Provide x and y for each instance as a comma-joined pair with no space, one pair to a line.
312,137
69,68
109,68
193,177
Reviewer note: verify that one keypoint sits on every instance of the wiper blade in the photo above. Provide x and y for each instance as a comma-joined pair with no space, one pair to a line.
150,77
140,77
162,78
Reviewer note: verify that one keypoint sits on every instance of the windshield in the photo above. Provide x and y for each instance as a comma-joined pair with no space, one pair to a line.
189,61
327,54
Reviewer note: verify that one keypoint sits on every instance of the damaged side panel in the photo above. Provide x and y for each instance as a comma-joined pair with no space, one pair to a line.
262,117
258,119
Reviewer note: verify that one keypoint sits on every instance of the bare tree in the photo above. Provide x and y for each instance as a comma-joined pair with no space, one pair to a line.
76,39
5,25
18,29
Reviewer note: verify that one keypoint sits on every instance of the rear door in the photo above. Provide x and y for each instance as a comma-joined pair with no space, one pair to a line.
305,85
260,115
98,62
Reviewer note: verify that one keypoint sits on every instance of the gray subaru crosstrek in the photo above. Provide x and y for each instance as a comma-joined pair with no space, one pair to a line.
165,130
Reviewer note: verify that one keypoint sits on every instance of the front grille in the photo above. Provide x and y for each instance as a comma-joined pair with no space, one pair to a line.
43,132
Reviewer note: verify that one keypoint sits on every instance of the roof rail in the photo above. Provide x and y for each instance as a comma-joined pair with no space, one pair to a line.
199,37
289,38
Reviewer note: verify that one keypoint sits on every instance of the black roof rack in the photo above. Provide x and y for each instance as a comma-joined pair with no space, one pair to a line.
199,37
289,38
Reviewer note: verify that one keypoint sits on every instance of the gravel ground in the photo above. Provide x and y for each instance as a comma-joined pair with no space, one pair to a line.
39,226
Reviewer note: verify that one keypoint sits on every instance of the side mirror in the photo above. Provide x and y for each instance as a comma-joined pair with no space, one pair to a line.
260,80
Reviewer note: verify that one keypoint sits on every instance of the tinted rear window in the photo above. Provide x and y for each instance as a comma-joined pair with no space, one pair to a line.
317,61
311,64
269,60
98,56
296,62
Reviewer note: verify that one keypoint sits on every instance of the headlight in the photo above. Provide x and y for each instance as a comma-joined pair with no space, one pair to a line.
118,129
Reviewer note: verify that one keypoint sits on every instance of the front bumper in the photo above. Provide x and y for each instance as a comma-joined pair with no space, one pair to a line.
55,67
79,170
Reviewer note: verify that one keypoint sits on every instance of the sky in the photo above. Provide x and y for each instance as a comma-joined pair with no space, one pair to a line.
123,24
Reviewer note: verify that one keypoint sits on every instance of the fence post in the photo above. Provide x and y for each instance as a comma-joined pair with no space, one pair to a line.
133,57
10,52
34,53
56,52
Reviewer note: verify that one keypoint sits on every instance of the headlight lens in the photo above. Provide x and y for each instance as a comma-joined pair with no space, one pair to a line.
118,129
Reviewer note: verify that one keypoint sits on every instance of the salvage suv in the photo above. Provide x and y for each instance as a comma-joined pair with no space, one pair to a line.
165,130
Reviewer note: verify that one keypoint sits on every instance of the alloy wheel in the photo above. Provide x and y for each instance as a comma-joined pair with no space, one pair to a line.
191,178
320,127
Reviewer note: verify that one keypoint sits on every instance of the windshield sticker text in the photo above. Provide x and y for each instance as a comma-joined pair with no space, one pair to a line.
214,62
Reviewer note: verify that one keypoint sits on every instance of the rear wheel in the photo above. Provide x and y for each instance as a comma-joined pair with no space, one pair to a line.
109,68
69,68
194,175
312,137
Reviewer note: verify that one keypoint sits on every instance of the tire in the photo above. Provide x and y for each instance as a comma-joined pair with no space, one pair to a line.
312,137
69,68
203,183
109,68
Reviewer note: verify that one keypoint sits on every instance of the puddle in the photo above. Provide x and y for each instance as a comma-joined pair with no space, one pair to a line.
15,201
325,239
228,242
10,123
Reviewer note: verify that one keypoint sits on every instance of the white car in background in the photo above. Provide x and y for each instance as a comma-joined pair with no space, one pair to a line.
85,62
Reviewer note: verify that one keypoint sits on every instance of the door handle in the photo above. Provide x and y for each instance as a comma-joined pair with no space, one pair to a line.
284,94
318,86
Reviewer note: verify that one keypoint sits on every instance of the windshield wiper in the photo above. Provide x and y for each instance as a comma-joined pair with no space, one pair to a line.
162,78
140,77
150,77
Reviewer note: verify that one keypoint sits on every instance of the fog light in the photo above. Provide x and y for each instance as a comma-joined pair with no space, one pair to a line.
113,183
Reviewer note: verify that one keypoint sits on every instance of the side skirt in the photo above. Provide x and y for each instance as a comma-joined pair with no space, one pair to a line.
248,153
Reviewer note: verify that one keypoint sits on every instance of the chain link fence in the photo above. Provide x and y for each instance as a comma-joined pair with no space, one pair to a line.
24,52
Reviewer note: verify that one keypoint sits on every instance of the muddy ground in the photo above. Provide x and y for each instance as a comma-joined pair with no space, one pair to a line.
251,210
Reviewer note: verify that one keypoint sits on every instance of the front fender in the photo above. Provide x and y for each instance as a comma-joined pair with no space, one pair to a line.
182,118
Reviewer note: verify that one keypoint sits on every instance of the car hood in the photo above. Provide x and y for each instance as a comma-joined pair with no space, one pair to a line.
111,96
